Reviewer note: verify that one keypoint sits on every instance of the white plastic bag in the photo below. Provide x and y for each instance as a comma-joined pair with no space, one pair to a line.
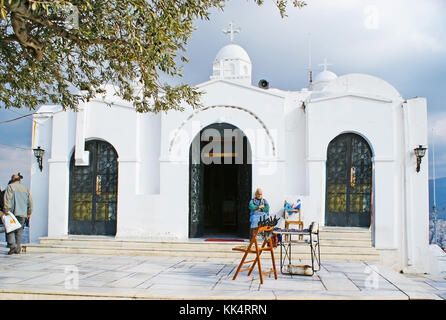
10,222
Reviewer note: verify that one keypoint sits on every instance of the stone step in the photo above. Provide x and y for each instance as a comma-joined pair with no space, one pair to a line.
297,254
346,243
209,251
128,244
336,244
364,235
325,234
344,229
192,246
198,244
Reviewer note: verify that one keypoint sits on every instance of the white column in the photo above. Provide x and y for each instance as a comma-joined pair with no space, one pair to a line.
42,124
59,172
417,189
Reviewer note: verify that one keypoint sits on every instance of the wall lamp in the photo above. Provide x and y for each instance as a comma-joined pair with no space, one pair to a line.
38,153
419,153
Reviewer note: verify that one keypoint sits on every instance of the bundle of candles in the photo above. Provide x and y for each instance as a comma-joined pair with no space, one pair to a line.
267,222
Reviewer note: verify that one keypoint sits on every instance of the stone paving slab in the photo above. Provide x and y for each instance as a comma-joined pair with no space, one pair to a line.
340,295
442,294
71,276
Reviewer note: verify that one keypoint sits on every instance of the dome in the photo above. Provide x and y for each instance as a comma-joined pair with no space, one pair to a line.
233,51
364,84
325,76
232,63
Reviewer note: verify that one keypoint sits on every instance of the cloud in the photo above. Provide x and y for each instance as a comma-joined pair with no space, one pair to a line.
13,160
437,127
403,35
437,144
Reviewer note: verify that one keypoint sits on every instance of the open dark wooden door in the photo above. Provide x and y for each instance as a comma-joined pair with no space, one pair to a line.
219,192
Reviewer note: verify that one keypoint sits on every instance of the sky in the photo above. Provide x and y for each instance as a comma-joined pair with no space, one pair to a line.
400,41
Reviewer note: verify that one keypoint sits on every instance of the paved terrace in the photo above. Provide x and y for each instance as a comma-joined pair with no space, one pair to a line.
76,276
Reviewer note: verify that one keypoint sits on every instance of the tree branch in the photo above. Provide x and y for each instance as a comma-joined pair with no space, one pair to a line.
9,38
22,34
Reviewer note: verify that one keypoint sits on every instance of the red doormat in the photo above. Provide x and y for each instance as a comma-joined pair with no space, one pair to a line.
225,240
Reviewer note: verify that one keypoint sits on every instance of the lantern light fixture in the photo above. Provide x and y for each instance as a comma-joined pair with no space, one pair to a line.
38,153
420,151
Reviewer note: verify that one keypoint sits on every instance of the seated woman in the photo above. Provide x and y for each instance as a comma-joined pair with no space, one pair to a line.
259,209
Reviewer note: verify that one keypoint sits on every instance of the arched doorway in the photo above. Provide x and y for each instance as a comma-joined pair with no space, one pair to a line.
94,191
348,182
220,172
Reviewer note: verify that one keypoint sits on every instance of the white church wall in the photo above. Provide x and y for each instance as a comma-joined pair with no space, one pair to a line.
149,146
370,118
236,105
271,183
136,140
394,255
260,101
385,194
296,180
315,206
227,109
173,217
148,219
117,126
295,129
121,127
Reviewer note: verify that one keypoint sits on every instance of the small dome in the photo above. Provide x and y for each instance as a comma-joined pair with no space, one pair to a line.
232,63
233,51
325,76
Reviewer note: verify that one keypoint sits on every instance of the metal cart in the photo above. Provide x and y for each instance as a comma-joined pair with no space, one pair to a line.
286,246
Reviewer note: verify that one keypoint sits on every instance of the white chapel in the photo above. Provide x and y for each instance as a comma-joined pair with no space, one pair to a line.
344,146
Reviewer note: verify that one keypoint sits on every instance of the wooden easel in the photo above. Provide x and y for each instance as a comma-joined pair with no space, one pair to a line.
299,222
266,246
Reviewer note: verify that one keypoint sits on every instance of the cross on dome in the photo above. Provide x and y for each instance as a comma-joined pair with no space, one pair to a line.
231,31
325,64
323,77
